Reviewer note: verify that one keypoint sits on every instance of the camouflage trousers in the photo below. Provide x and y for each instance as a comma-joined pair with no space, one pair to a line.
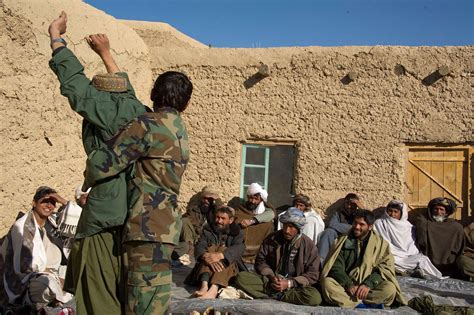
148,273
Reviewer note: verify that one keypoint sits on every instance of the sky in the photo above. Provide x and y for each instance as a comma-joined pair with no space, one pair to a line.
280,23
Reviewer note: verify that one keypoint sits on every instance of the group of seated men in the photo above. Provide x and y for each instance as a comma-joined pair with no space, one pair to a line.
354,261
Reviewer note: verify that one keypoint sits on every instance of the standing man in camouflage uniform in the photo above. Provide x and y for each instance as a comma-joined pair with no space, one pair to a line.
158,145
94,272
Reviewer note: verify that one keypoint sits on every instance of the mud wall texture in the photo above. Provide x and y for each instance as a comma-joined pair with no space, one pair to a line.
349,137
40,134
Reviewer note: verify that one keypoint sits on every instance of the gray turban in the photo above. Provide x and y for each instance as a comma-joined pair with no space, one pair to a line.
294,216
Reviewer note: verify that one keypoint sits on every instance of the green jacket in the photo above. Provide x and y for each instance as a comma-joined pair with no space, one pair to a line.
350,257
104,114
375,259
158,145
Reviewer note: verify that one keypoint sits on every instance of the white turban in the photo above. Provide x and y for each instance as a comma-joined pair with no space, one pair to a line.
79,191
255,188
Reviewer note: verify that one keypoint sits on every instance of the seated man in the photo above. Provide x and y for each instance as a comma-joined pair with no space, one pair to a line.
33,273
394,227
340,223
439,237
465,262
360,268
218,254
193,223
287,265
314,222
255,218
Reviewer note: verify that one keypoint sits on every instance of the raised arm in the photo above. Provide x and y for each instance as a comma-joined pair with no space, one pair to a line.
97,107
101,45
57,28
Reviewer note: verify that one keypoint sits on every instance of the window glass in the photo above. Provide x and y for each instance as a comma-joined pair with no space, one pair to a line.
254,175
272,167
255,156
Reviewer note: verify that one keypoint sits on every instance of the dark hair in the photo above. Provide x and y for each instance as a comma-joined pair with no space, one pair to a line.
351,196
43,191
367,215
395,204
226,209
303,199
171,89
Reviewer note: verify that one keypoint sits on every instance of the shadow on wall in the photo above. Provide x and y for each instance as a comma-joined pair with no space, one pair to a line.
339,205
235,202
415,213
254,79
378,212
194,201
335,207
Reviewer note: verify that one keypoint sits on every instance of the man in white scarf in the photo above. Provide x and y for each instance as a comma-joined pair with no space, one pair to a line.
256,202
33,271
255,217
399,233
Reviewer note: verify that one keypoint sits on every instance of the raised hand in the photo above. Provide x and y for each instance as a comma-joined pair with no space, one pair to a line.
99,43
58,26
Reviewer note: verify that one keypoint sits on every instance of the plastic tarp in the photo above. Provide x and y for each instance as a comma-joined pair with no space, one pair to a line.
448,291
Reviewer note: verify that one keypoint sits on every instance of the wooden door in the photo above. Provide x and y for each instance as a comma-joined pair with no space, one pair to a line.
440,172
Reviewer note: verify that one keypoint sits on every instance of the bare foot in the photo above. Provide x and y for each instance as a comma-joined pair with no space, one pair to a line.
202,290
211,294
198,293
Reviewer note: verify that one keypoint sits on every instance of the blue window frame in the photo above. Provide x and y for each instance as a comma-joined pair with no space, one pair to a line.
255,166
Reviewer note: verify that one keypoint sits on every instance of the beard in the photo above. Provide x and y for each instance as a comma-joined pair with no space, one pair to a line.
439,218
222,229
205,208
361,234
251,206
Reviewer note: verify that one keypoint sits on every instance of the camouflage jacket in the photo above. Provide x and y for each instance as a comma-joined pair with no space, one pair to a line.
104,114
158,144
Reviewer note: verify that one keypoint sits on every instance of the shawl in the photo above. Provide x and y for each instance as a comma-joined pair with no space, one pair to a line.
377,255
254,234
442,242
24,255
68,219
398,233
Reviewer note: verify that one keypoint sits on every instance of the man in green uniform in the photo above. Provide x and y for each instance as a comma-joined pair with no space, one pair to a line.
94,270
360,268
157,144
